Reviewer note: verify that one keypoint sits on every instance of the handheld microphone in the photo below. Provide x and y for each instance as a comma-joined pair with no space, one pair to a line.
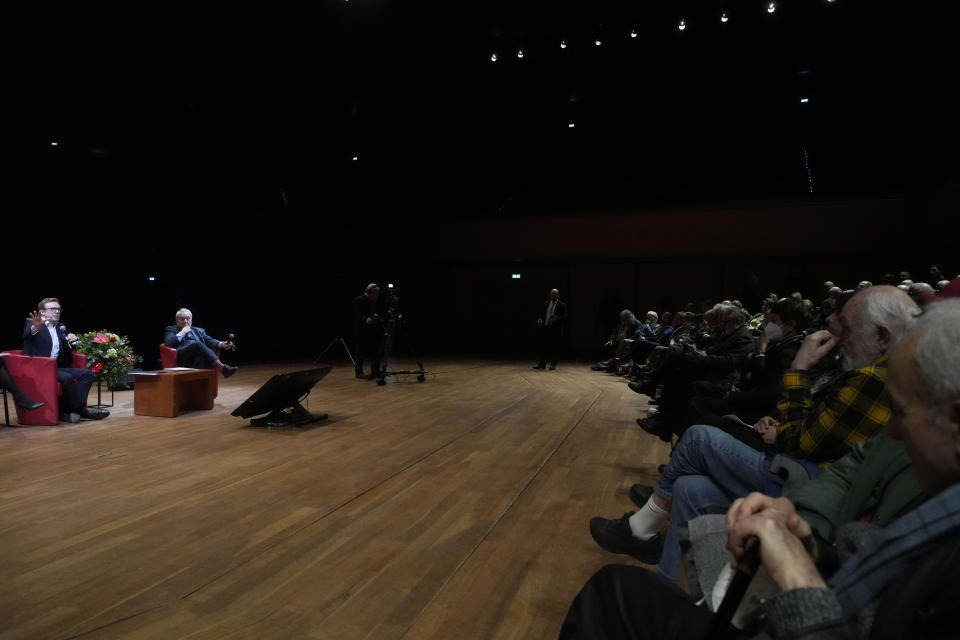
232,339
62,328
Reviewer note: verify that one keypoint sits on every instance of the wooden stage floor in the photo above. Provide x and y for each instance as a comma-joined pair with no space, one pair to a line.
455,508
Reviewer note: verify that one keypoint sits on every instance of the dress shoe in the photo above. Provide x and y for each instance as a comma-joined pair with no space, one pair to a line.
553,366
655,427
615,536
539,366
228,370
640,494
94,414
644,388
28,404
358,372
71,417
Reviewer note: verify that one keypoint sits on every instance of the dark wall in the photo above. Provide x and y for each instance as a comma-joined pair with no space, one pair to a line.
283,282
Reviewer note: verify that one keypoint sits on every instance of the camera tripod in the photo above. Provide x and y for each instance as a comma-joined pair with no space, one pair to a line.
393,325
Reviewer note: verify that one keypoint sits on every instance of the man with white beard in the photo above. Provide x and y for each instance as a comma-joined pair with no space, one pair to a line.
710,468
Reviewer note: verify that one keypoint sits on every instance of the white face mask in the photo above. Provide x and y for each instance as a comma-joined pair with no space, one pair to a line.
773,332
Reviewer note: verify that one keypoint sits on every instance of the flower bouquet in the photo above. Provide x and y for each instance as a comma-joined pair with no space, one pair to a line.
109,356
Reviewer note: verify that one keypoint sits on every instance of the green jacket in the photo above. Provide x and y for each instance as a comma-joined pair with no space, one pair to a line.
876,478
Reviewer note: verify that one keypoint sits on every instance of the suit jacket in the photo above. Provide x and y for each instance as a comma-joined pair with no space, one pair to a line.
196,334
560,311
41,345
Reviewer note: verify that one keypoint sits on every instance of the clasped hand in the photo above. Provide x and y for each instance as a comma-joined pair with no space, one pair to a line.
782,534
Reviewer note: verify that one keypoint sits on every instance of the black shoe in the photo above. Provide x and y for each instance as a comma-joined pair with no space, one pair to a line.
539,366
600,366
553,366
94,414
28,404
655,427
71,417
644,388
228,370
640,494
615,537
358,372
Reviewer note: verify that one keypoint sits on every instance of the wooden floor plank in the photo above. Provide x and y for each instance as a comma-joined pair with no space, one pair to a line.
460,501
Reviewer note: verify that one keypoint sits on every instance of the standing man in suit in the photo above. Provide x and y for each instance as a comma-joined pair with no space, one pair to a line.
44,335
194,347
551,321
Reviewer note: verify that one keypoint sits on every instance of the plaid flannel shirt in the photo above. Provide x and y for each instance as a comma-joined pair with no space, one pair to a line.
854,407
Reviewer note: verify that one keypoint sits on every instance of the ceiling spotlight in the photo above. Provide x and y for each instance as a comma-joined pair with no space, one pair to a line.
493,57
571,126
597,42
633,33
724,17
520,53
563,44
804,100
682,25
54,143
355,158
771,7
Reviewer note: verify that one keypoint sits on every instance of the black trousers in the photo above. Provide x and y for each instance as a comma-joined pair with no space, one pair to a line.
6,382
196,355
549,344
369,344
76,385
623,602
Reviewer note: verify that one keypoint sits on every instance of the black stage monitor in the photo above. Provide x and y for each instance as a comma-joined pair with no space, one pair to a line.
280,396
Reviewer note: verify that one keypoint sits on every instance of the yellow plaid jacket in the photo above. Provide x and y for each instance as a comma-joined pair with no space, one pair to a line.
850,410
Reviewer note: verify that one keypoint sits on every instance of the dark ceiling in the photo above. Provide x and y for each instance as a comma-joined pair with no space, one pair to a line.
203,109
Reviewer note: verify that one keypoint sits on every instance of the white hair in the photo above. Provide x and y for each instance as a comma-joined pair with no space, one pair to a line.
887,307
936,354
183,311
654,314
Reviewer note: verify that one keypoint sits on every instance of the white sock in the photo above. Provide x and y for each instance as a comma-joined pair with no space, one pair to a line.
647,520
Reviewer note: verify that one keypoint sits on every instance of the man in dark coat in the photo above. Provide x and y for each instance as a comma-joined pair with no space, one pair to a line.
550,323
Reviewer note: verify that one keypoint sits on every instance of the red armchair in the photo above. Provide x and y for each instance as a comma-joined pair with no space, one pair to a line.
37,377
168,360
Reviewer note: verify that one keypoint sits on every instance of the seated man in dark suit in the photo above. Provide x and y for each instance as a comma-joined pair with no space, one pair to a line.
44,335
194,347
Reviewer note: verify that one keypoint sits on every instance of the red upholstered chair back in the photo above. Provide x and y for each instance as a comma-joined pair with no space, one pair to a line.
168,360
37,377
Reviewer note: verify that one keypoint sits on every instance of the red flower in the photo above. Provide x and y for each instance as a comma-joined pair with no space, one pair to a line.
113,339
101,338
96,368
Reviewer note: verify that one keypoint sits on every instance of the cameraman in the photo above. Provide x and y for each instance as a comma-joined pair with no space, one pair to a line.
367,330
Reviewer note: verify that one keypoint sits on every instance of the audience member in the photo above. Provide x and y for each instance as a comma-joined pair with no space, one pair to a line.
708,466
898,580
620,341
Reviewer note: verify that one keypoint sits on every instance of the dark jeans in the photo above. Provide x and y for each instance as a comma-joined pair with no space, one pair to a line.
630,603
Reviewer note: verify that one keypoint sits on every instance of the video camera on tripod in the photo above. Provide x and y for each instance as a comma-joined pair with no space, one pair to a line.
393,324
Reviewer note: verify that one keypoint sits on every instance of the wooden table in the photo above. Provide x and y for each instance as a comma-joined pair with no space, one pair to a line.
167,393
